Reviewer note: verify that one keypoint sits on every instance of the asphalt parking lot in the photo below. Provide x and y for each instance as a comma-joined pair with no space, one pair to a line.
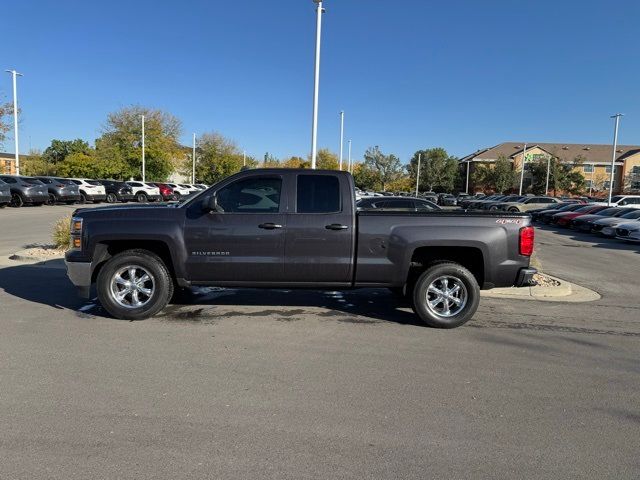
297,384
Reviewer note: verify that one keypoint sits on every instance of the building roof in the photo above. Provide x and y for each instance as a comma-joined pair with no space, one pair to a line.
563,151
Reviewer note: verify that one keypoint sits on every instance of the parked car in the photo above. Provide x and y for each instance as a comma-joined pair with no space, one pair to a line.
431,196
396,203
546,215
493,204
629,232
622,201
295,228
189,187
61,190
562,219
527,204
179,190
585,222
607,226
202,186
447,200
26,190
144,192
464,203
117,191
166,191
5,194
90,190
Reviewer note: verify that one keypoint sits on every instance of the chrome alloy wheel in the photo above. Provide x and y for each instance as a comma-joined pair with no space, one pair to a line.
446,296
132,286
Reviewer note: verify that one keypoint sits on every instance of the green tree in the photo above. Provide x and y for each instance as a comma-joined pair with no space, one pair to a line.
34,164
270,161
500,177
438,170
563,176
296,162
365,177
60,149
6,112
122,137
386,167
80,165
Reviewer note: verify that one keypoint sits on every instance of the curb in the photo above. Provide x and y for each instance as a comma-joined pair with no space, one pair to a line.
565,292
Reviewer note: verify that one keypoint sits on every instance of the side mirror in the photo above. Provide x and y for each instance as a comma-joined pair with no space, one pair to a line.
211,204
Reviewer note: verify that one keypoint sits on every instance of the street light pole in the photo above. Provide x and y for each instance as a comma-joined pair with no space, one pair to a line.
418,174
144,169
524,159
15,74
546,190
613,155
350,168
468,166
244,158
316,85
341,135
193,161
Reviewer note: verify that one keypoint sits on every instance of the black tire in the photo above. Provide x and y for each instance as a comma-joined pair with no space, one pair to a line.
2,205
83,198
52,200
162,288
142,197
469,295
16,200
513,210
112,198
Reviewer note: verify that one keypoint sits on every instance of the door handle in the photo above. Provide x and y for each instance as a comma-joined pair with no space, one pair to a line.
269,226
336,226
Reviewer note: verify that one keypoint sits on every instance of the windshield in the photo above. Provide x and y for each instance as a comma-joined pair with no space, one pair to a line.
607,211
33,181
634,214
93,182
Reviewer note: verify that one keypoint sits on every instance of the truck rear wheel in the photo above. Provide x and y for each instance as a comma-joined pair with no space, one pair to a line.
446,295
134,285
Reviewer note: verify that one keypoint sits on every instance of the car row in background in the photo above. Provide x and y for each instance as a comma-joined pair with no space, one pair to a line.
17,191
406,204
622,222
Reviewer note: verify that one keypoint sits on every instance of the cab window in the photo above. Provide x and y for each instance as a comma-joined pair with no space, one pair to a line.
251,195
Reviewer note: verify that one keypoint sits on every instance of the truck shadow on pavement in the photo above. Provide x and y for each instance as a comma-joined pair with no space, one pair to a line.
49,285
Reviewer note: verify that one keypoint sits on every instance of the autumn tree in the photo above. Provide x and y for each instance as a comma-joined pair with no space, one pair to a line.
387,168
500,176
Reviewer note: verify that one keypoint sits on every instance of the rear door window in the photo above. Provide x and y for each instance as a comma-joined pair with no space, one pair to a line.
318,194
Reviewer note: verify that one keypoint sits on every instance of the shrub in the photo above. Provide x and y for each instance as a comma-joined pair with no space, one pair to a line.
61,234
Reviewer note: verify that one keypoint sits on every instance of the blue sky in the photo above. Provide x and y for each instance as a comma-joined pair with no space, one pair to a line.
409,74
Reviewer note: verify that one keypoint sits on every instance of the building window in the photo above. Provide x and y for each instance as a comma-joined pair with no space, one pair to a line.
635,185
588,168
635,170
7,166
608,169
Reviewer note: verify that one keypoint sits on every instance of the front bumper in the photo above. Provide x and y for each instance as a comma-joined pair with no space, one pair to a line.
80,275
525,277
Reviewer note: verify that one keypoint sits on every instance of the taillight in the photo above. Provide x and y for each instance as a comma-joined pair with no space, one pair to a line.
526,241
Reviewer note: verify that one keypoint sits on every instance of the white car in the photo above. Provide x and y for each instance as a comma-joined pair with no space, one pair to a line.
178,189
145,192
631,201
90,190
629,232
191,188
201,186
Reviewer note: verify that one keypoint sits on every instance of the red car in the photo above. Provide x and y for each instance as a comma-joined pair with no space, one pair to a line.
166,191
564,218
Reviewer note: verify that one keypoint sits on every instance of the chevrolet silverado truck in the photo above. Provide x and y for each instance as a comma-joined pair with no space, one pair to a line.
289,228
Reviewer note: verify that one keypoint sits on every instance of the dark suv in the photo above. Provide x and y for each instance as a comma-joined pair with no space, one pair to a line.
61,190
26,190
117,191
5,194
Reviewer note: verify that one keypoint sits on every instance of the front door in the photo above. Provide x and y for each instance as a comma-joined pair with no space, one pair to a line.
244,239
320,231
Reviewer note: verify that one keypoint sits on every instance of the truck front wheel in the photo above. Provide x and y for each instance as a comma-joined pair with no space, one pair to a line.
446,295
134,285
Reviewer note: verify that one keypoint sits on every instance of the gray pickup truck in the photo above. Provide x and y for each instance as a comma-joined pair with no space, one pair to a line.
273,228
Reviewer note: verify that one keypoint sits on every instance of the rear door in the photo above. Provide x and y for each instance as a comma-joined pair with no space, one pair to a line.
244,240
320,230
